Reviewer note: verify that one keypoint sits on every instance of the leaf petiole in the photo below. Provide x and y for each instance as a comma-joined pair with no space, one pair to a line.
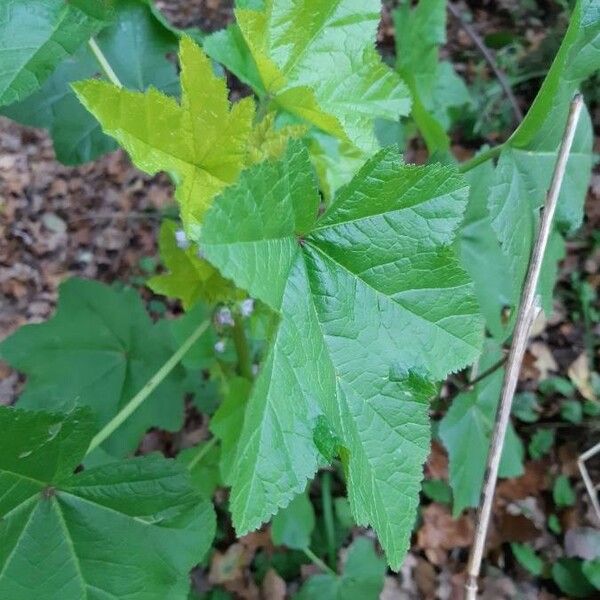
150,386
328,516
202,452
480,158
103,62
242,347
317,561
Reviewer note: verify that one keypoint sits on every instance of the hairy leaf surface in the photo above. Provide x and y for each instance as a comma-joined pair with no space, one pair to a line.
136,46
131,529
316,60
371,301
35,36
98,350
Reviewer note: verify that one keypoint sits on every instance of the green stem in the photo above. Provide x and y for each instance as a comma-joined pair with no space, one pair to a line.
204,450
242,348
480,158
317,561
150,386
104,64
328,516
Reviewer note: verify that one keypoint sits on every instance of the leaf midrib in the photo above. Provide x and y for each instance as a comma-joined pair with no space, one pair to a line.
390,299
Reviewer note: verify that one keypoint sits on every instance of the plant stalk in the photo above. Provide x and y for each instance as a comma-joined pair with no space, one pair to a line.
202,452
480,158
328,516
103,62
242,347
317,561
148,388
527,312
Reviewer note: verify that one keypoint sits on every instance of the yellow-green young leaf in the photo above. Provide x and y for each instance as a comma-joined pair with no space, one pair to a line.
268,141
130,529
202,141
190,278
351,289
316,60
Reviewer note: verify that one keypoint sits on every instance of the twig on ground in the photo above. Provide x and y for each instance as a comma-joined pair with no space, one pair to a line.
589,484
489,57
527,312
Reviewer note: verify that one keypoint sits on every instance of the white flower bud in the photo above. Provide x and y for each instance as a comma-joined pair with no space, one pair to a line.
181,239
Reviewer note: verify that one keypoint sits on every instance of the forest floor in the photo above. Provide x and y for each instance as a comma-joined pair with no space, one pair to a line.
100,221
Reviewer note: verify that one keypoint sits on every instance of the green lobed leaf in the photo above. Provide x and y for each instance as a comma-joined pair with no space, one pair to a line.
202,141
481,255
293,525
129,529
98,350
377,269
137,46
35,36
466,430
189,278
362,578
526,163
434,86
317,61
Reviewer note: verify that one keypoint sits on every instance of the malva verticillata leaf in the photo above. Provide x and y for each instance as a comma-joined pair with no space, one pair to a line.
434,86
481,254
136,46
189,278
526,163
98,350
372,303
130,529
202,141
317,61
35,36
293,525
362,579
466,431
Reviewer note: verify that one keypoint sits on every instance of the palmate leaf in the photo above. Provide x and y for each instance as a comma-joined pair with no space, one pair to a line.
98,350
35,36
466,431
202,141
131,529
136,46
372,303
526,163
317,61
